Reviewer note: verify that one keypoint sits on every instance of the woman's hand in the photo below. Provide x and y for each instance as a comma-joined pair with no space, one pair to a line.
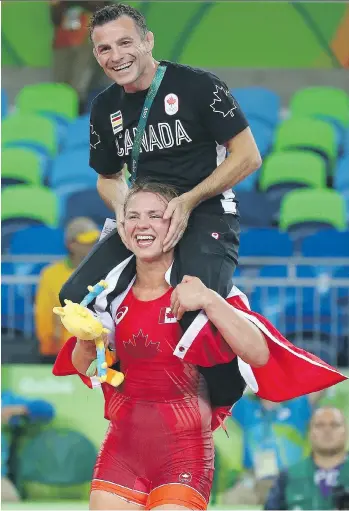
190,295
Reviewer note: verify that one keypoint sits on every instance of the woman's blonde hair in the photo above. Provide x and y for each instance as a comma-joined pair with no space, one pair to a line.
166,192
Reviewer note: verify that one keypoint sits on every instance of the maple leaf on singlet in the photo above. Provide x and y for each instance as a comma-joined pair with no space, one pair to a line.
171,100
140,347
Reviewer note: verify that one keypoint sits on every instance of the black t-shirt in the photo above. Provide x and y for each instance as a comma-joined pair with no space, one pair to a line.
192,116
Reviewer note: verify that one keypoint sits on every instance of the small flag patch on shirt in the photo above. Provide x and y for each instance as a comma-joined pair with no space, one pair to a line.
166,316
116,121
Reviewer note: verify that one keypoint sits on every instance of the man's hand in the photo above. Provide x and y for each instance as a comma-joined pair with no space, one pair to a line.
120,224
190,295
178,210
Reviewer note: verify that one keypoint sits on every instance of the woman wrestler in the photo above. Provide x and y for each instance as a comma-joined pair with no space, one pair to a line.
158,451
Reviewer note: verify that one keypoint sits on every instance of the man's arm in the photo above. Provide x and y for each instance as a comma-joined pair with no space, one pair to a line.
220,115
112,190
104,159
243,159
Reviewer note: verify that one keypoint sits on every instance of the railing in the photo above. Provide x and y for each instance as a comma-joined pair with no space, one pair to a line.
307,299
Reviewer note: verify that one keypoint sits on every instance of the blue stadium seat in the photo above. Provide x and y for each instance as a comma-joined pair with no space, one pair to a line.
326,243
271,299
259,102
4,103
72,168
16,303
346,142
248,184
13,225
40,240
78,134
341,177
85,203
264,242
256,210
263,134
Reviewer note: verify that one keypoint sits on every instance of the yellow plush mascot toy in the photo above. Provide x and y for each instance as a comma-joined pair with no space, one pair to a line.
81,323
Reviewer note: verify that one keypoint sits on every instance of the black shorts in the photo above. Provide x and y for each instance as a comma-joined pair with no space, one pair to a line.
208,250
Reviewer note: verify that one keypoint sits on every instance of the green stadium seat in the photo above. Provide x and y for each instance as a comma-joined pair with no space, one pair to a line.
323,102
30,130
309,134
322,208
283,171
37,203
58,100
20,165
56,464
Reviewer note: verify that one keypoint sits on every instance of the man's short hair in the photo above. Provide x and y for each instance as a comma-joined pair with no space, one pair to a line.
114,12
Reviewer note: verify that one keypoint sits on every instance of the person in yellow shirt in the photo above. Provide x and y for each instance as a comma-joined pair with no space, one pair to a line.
80,236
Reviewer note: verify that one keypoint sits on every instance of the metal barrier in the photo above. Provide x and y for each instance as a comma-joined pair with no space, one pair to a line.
307,299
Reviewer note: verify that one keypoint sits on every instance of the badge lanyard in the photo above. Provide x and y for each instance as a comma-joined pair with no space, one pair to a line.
136,148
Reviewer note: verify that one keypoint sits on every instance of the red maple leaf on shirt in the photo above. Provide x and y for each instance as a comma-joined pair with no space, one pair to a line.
171,100
140,347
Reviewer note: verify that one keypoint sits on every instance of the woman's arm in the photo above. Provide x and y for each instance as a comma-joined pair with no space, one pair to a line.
83,354
243,337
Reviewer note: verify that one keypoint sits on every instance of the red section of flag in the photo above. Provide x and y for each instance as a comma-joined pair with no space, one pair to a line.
290,371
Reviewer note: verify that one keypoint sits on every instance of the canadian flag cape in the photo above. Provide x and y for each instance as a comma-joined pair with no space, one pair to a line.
290,371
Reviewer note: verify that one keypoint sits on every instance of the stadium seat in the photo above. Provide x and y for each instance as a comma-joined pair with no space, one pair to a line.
346,142
271,299
40,239
308,134
341,178
304,211
265,243
259,103
326,243
16,303
248,184
30,130
256,210
63,468
20,165
328,103
85,203
72,168
57,100
286,170
24,205
4,103
78,134
263,134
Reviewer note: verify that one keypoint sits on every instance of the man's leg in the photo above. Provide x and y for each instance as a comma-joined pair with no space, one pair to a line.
208,250
104,256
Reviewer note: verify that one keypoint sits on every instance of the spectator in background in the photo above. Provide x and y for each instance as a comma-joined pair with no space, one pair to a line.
274,437
73,61
320,481
16,411
80,236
